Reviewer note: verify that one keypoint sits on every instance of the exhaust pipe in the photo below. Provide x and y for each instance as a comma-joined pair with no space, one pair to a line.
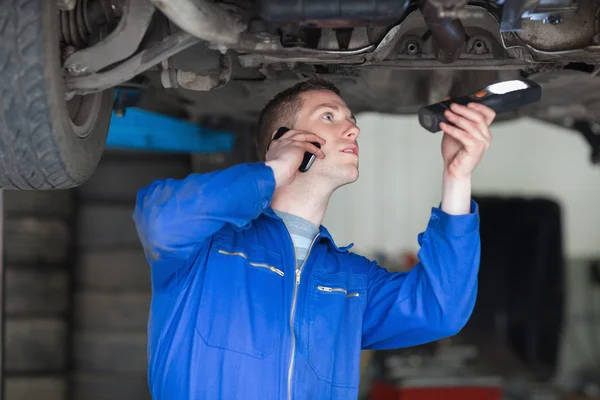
203,19
448,33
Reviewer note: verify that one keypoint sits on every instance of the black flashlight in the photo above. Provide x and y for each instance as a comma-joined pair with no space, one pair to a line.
500,97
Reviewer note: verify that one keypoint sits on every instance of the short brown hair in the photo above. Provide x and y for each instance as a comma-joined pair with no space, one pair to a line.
283,109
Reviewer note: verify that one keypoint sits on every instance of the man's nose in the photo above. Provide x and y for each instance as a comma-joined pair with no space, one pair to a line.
352,131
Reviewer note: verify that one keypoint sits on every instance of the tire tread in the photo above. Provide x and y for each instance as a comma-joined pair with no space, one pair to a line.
31,157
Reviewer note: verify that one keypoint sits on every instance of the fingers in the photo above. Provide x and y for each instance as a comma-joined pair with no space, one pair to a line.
304,140
303,136
488,114
301,140
462,136
308,137
311,148
470,114
471,121
462,123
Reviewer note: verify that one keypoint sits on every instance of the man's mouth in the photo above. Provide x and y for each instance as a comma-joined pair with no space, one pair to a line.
350,150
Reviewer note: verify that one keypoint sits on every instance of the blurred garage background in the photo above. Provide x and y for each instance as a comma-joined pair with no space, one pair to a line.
76,285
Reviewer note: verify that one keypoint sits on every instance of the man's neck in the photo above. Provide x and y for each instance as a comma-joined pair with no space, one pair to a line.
308,201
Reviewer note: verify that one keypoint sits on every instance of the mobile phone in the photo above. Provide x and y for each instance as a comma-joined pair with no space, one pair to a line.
309,158
500,97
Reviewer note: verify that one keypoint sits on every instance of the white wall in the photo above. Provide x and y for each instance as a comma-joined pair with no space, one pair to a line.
401,180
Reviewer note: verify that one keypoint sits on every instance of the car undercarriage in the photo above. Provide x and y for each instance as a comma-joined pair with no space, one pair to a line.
202,60
387,56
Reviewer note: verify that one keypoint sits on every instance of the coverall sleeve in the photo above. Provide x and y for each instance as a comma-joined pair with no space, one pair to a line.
174,217
436,297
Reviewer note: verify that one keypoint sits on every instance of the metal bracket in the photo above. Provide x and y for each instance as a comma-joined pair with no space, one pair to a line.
591,133
117,46
511,14
134,66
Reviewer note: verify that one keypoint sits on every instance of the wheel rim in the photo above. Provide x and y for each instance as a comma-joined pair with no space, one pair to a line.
83,112
79,31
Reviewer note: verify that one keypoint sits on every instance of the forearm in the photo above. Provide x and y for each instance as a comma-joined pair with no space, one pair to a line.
456,194
435,299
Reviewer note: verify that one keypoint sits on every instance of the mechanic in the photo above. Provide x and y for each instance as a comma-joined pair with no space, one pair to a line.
253,299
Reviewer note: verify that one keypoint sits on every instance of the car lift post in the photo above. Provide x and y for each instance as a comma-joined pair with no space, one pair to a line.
134,128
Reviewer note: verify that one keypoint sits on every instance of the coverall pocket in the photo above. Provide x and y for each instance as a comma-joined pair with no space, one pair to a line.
335,307
242,298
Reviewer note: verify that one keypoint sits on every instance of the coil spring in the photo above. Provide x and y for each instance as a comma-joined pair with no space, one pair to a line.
78,26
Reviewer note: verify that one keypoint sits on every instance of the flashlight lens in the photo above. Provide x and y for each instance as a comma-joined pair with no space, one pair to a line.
508,86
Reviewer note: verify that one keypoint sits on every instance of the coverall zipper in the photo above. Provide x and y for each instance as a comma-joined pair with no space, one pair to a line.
293,311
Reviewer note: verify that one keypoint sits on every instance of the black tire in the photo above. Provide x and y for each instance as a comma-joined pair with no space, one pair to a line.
95,386
112,312
41,145
57,203
36,291
36,345
31,241
36,388
115,270
115,353
107,226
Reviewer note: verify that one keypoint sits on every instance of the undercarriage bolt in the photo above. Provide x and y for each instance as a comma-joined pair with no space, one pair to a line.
412,48
553,20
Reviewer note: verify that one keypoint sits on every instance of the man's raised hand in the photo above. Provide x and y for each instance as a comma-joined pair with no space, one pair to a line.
464,144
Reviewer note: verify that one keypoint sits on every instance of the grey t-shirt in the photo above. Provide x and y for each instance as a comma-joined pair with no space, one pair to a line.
302,232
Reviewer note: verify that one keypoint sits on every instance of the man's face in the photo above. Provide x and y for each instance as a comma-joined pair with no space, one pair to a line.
324,113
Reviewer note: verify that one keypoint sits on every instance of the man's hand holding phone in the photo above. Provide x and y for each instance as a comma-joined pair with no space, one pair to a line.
285,154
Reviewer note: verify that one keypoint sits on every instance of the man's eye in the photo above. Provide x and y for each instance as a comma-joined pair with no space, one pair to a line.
328,116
